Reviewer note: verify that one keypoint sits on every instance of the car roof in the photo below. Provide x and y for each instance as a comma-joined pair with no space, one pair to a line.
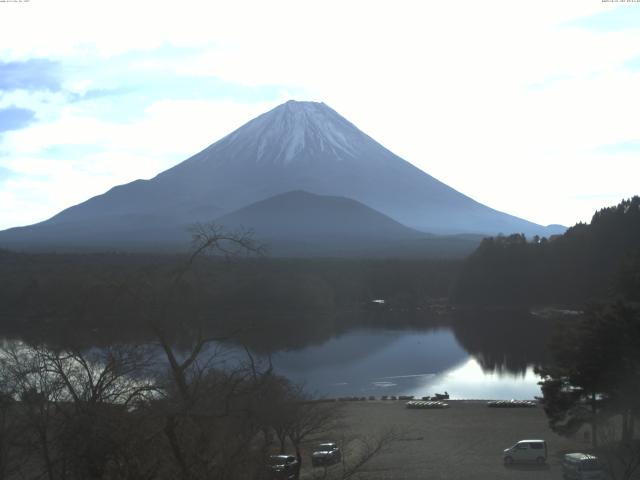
531,440
580,456
284,457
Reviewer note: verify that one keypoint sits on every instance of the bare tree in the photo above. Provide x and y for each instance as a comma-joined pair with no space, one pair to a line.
117,374
358,452
108,413
310,419
39,394
621,453
14,451
78,407
211,416
364,449
214,416
212,239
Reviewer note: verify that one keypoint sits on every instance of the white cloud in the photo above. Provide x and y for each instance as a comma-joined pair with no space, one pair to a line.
505,101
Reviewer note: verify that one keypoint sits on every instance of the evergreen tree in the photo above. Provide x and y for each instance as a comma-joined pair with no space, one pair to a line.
595,373
582,265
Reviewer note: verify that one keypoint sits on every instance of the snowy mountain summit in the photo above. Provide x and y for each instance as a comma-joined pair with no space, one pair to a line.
284,134
297,146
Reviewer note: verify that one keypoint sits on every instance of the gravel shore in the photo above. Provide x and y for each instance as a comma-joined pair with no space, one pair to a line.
464,441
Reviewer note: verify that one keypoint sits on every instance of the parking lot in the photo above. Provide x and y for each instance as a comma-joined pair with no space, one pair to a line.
464,441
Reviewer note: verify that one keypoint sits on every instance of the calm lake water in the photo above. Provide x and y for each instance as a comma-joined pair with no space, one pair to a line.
400,362
477,355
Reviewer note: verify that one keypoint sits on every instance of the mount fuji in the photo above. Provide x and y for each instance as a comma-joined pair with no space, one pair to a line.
297,146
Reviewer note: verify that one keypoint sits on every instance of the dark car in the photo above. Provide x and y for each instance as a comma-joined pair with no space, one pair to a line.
283,467
326,454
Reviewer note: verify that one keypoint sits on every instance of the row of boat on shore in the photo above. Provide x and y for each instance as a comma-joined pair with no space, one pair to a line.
426,402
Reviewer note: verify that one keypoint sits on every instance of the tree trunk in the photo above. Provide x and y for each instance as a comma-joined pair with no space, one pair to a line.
170,432
299,457
626,424
594,426
45,454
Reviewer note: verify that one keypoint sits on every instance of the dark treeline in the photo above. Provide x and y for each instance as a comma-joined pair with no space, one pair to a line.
590,261
288,301
264,304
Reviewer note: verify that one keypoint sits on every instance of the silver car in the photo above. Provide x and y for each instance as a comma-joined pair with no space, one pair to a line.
283,467
582,466
326,454
526,451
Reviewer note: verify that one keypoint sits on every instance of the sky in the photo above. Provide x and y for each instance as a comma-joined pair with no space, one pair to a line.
528,107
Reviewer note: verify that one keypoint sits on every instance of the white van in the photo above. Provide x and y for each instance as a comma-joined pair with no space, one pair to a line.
582,466
526,451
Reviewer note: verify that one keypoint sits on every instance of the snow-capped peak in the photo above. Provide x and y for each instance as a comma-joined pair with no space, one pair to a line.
296,130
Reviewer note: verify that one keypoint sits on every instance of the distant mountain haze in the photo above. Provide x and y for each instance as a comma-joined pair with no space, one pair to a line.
300,149
300,223
302,213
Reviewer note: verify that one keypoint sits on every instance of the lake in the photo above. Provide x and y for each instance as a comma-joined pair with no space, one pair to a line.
366,362
470,354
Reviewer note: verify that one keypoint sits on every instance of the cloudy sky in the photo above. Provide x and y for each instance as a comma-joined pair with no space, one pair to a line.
530,107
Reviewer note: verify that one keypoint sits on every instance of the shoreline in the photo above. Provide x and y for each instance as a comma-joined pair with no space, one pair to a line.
415,398
407,398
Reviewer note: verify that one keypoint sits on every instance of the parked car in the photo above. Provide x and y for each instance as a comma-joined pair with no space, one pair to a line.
283,467
326,454
582,466
526,451
511,404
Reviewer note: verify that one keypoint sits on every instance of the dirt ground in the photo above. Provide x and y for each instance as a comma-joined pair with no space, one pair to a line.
464,441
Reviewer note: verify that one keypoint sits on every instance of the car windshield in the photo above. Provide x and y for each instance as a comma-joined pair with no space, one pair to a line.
277,460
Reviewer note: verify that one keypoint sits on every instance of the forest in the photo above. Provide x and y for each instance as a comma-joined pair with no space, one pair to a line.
589,262
118,296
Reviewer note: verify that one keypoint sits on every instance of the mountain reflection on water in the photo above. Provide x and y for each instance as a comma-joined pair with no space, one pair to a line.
469,353
473,354
420,363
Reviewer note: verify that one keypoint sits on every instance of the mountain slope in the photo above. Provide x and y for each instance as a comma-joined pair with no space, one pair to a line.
300,213
299,223
296,146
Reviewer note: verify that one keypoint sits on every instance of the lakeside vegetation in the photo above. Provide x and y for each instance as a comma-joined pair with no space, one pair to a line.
590,374
119,293
596,261
121,412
